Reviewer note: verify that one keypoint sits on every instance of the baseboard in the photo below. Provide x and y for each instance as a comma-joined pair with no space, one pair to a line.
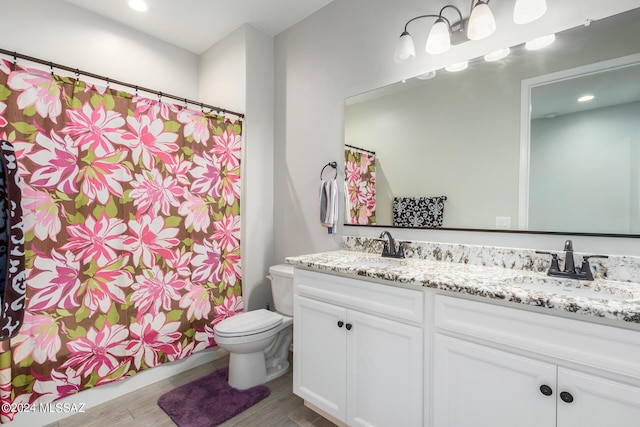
96,396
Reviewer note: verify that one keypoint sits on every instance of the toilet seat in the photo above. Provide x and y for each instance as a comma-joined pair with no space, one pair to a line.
248,323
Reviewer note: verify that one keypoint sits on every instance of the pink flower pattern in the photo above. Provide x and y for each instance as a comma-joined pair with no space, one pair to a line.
94,128
151,336
132,232
38,339
96,240
98,351
360,176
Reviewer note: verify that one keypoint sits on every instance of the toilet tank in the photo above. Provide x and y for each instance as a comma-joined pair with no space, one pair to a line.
282,288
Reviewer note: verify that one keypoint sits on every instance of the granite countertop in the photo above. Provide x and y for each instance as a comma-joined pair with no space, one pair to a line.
601,298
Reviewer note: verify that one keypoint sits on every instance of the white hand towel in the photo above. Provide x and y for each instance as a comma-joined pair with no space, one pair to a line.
329,205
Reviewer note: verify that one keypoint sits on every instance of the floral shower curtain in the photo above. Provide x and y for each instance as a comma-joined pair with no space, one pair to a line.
132,233
360,173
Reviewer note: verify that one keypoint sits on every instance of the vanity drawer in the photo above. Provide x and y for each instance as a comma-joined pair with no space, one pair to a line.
374,298
592,344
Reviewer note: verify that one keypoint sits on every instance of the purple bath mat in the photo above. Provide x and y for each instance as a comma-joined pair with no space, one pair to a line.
209,401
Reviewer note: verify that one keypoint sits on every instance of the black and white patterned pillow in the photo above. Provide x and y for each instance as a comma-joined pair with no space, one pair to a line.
425,212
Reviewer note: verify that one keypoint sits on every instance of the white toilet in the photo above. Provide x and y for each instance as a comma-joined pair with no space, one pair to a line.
258,341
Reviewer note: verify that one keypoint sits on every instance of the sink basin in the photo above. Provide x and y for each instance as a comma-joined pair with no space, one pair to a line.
578,289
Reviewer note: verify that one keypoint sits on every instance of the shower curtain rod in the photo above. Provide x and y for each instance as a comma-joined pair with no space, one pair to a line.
53,65
361,149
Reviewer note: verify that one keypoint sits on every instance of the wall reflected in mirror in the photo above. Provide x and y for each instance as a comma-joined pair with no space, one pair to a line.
458,135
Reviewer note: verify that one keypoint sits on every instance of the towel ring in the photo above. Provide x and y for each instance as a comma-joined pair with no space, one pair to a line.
334,165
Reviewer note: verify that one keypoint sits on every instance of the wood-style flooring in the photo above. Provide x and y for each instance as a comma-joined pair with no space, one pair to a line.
280,409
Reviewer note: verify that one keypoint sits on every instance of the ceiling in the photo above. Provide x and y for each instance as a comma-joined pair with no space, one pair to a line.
196,25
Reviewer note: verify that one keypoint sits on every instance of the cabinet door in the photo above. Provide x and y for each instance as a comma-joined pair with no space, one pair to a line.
319,367
384,378
478,386
596,402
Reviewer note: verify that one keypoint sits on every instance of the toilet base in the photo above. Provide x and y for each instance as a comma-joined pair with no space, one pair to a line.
247,370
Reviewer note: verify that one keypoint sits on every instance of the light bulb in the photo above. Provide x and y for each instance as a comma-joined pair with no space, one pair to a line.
481,22
526,11
405,49
439,40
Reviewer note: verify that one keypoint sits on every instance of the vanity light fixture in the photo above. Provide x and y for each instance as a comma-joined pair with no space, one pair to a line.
497,55
138,5
458,66
456,28
586,98
526,11
540,42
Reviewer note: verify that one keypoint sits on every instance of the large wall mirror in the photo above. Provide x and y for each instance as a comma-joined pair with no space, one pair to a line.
557,166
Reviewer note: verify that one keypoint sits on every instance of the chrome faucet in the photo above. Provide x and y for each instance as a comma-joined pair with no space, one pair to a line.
389,248
570,271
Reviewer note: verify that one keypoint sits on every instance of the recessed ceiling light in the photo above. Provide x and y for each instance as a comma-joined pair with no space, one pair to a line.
497,55
551,115
540,42
457,67
138,5
586,98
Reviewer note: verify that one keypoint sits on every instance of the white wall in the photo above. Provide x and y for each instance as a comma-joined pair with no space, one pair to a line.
585,171
237,73
57,31
346,48
258,207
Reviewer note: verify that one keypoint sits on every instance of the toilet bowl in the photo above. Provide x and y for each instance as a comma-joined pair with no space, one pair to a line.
258,341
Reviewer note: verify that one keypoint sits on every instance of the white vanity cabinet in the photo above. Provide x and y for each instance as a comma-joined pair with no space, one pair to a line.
497,366
358,350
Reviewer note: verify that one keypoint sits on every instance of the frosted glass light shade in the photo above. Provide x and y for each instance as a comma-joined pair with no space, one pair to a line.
526,11
405,49
439,40
481,22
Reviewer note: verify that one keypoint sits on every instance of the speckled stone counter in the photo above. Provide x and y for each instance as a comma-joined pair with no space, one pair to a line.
494,273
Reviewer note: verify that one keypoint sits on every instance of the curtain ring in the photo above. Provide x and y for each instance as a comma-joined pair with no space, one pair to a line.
108,83
159,96
77,76
202,108
136,91
51,67
15,58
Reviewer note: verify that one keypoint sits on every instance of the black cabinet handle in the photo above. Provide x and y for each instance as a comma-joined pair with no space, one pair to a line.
349,326
546,390
340,323
566,397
